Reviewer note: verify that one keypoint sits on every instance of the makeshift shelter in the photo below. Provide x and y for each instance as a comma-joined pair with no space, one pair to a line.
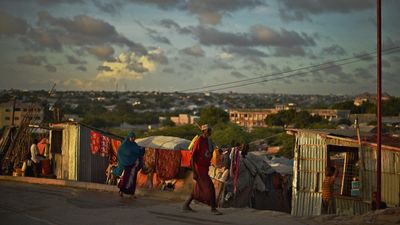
81,152
164,158
356,160
257,184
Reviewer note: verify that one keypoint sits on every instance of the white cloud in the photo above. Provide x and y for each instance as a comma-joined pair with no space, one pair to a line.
128,66
224,55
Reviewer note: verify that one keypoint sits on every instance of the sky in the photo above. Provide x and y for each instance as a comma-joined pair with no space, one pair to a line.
198,45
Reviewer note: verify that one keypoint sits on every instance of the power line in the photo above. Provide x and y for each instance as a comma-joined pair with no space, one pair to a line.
360,57
292,75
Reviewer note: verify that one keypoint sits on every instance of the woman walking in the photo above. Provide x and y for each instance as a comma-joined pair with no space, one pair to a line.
130,161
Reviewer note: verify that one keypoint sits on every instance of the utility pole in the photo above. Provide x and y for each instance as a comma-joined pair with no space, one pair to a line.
379,101
13,111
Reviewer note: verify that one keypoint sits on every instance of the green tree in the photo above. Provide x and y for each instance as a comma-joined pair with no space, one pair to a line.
225,134
95,121
167,123
213,115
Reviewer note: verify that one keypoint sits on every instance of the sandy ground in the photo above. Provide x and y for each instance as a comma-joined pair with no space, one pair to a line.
389,216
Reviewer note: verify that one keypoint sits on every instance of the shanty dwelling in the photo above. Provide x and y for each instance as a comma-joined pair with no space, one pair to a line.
356,160
81,152
259,181
166,164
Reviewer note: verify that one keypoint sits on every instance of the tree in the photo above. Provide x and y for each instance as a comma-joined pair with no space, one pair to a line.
213,115
226,134
167,123
95,121
302,119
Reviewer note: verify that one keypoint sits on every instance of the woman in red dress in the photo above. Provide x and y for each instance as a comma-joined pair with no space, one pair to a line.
203,190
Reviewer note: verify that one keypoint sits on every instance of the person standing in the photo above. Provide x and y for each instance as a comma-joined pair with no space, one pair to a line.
327,189
203,190
35,158
130,161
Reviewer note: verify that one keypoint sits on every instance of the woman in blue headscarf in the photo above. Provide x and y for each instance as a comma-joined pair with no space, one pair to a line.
130,161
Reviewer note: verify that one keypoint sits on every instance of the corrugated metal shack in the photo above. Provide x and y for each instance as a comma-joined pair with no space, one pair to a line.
311,152
72,157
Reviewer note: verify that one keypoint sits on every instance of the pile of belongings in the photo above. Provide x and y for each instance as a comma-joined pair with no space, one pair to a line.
254,180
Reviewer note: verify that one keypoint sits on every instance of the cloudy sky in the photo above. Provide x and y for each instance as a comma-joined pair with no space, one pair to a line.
175,45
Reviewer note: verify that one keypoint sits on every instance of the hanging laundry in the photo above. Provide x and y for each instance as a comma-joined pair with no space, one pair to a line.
185,160
167,163
95,139
114,151
234,169
149,161
217,159
105,146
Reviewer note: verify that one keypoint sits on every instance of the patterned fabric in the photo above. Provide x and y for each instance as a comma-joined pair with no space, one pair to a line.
185,160
114,151
234,168
95,139
105,146
167,163
149,161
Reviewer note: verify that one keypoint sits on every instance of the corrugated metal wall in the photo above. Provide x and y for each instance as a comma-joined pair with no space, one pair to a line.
350,206
390,175
91,167
68,152
310,156
309,167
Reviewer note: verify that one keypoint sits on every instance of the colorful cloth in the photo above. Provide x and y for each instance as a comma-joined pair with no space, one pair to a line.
114,151
185,158
128,153
42,145
105,146
149,161
204,190
95,139
234,168
167,163
127,183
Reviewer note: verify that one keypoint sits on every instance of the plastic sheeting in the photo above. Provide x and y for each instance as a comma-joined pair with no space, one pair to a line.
164,142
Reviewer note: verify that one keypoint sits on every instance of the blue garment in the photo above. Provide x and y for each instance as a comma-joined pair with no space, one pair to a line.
128,153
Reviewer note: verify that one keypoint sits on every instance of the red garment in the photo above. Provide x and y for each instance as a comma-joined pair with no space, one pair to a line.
201,153
95,139
42,145
204,189
114,150
167,163
105,146
149,161
185,160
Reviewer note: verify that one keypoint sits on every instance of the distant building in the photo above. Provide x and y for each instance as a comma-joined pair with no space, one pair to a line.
250,117
20,110
287,106
183,119
364,97
331,114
